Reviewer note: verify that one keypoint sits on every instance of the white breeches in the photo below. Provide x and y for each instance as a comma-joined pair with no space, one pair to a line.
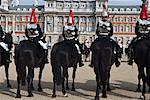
4,45
78,48
44,45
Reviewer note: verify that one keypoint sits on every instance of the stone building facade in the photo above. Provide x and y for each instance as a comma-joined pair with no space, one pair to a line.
54,13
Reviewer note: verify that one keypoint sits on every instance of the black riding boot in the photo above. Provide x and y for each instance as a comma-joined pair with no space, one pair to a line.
117,56
46,56
80,61
117,53
130,56
8,57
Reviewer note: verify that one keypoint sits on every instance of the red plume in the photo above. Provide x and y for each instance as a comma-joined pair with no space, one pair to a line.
144,12
71,18
33,15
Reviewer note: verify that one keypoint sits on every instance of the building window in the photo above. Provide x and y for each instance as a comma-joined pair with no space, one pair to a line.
134,19
121,28
17,28
116,19
59,5
82,23
50,23
23,18
115,28
3,18
23,27
50,5
10,28
91,23
67,5
127,28
75,5
83,5
121,19
9,18
128,19
76,19
60,24
4,27
133,29
17,18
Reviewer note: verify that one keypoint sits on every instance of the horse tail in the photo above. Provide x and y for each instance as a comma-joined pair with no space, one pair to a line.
105,64
56,67
21,68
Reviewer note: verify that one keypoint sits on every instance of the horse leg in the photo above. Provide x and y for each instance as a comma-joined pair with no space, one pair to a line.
54,88
139,83
6,71
108,84
32,87
63,82
29,79
40,76
148,77
104,91
73,77
98,87
144,83
18,95
67,76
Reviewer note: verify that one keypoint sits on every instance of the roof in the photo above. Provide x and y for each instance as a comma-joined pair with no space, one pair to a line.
27,7
125,6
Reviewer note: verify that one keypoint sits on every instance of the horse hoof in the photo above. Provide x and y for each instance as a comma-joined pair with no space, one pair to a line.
73,89
40,89
96,98
66,95
142,97
67,88
53,96
9,86
30,95
104,96
18,96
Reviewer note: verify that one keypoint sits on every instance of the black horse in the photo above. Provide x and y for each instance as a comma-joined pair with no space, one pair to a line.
102,59
9,40
32,55
142,59
63,55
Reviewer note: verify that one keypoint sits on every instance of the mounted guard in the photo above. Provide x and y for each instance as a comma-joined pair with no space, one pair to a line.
70,32
142,31
4,45
105,29
34,33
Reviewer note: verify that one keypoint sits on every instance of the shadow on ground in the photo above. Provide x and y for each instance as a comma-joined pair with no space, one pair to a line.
90,86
